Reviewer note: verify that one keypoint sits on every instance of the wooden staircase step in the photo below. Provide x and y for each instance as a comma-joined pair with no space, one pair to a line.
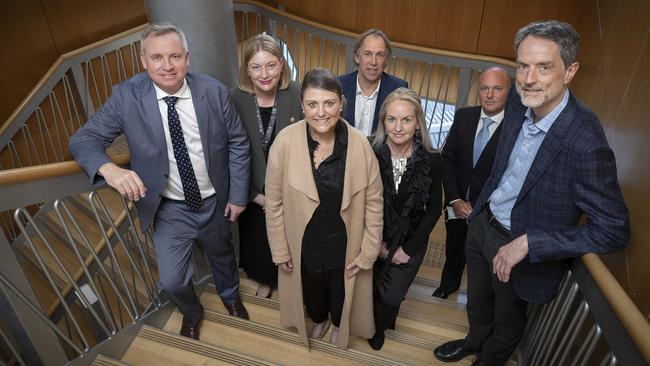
102,360
411,347
273,343
156,347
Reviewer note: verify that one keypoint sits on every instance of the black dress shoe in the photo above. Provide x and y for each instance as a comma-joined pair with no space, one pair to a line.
377,341
237,309
439,292
453,351
189,330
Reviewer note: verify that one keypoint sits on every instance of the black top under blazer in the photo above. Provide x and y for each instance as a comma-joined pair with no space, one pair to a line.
458,174
289,111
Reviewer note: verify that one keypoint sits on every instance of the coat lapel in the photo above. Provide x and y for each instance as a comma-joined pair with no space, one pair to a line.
152,115
354,163
350,97
201,110
551,146
300,174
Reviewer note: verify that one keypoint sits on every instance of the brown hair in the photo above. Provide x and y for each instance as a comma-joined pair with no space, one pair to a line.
261,42
372,32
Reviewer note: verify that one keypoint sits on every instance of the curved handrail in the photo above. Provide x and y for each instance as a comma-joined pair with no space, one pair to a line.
45,171
628,313
58,64
343,33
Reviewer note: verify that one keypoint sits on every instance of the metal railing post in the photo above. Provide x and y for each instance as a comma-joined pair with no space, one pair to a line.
36,341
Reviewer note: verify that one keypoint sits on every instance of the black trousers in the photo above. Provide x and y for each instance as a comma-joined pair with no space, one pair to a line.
323,294
497,316
390,285
452,272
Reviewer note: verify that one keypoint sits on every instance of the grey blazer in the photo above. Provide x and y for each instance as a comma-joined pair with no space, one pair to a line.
132,109
289,111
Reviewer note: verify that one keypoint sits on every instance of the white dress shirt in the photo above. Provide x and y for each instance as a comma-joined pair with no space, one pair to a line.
189,123
364,109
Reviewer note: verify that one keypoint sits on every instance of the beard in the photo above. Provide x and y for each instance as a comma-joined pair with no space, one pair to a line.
542,97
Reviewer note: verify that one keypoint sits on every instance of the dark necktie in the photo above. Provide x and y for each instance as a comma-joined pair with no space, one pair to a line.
482,139
188,179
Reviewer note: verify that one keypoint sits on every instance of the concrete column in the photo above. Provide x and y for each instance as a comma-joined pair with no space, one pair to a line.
209,26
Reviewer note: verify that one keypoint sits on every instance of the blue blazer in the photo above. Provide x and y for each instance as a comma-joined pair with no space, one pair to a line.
573,175
132,109
349,84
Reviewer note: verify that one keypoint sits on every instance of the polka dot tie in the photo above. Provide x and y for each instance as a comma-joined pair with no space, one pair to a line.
193,198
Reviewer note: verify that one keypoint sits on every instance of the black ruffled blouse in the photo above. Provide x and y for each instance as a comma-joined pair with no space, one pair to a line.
411,214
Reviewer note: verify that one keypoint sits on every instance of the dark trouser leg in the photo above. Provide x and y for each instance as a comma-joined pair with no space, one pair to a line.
452,272
390,286
509,324
480,296
174,229
215,238
336,294
497,316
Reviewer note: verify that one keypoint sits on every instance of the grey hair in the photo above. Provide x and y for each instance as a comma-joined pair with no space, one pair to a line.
160,29
563,34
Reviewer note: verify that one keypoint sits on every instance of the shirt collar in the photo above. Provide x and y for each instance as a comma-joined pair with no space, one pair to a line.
373,94
182,93
497,118
545,123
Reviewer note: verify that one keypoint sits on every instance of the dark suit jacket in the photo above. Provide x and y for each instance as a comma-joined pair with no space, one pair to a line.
132,109
573,174
289,111
458,154
349,84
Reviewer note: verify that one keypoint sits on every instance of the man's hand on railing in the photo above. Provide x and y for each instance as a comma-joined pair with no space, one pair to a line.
124,181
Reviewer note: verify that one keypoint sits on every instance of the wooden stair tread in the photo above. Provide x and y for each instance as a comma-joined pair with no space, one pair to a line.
271,343
409,343
156,347
102,360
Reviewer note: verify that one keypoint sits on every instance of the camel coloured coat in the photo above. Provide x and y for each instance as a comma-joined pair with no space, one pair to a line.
292,198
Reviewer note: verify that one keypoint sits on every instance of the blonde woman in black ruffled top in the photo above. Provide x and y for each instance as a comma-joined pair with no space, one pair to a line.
410,172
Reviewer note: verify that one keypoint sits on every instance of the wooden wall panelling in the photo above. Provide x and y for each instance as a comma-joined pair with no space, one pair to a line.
502,19
77,23
614,79
335,13
451,25
27,51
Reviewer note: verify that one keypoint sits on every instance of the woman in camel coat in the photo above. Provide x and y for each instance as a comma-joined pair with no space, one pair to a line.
291,200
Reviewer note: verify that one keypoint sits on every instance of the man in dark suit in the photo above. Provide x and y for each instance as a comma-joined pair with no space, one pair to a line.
467,159
189,170
366,88
553,166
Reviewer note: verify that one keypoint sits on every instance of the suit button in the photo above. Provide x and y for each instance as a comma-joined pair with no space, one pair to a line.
166,175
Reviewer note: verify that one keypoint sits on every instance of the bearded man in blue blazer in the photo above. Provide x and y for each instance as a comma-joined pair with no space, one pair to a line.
366,89
553,166
189,170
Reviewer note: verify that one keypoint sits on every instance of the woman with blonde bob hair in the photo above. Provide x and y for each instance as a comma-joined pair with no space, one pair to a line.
411,174
267,101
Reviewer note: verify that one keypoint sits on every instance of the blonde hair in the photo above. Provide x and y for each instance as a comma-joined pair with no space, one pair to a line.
407,95
261,42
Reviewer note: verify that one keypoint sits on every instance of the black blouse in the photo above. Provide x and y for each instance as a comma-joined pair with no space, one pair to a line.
324,242
411,214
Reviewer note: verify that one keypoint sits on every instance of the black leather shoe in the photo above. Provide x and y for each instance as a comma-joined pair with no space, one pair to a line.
453,351
377,341
439,292
237,309
191,331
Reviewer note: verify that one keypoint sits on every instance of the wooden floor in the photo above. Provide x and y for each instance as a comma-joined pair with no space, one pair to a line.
424,323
